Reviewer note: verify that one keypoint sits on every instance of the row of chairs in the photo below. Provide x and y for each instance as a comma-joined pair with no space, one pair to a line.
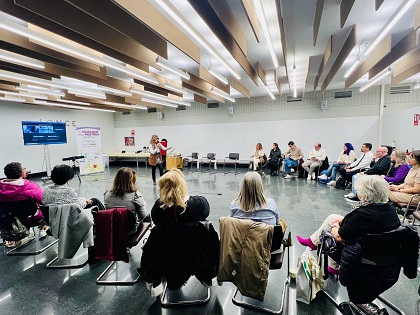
233,158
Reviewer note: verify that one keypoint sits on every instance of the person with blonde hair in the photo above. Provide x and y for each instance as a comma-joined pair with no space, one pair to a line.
399,167
175,206
251,202
125,194
257,157
155,158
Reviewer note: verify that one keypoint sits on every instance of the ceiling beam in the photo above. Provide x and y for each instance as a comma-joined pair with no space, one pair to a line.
113,15
417,18
252,18
208,14
234,83
261,73
204,74
78,21
200,99
205,93
324,61
378,4
283,40
277,81
344,52
383,48
406,67
345,8
317,19
202,86
405,45
148,15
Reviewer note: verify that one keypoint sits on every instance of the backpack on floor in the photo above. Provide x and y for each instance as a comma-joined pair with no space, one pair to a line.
340,183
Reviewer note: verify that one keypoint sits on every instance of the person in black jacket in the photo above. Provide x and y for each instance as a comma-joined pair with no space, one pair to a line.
373,215
379,166
274,158
180,244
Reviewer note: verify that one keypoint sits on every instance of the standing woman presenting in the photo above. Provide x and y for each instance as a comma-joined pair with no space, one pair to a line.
155,158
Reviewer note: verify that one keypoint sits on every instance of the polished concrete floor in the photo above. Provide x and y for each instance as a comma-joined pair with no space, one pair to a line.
27,287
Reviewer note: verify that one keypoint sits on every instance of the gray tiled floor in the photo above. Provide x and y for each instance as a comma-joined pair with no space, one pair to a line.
26,286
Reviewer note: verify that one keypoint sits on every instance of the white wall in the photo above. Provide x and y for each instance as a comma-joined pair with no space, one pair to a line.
198,129
11,139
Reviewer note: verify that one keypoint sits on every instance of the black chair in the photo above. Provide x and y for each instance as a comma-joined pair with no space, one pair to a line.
233,158
114,266
324,165
408,209
278,252
23,209
279,165
210,158
378,251
191,159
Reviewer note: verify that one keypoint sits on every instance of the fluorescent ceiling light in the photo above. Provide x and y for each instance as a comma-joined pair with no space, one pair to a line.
119,105
375,80
399,13
164,64
218,76
140,107
147,100
19,59
222,94
58,45
12,99
352,67
270,93
91,94
261,17
114,91
158,97
41,90
175,88
71,106
23,94
73,102
294,82
185,25
417,85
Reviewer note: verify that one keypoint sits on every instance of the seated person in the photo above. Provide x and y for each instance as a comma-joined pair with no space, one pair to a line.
175,206
411,186
274,158
360,164
61,193
399,168
16,187
346,157
316,157
257,157
293,155
251,202
379,166
125,194
373,215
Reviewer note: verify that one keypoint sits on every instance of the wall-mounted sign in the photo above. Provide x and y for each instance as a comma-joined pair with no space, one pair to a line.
416,119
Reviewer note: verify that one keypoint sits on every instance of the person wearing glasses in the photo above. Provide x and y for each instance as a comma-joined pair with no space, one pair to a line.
379,166
293,155
155,158
411,186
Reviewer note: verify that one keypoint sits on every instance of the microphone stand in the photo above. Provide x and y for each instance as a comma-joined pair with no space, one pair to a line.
74,167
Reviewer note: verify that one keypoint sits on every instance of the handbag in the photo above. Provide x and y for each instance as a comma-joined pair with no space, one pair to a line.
11,229
152,159
309,277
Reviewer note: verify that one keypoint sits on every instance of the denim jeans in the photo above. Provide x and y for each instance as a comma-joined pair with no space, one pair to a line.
331,172
288,164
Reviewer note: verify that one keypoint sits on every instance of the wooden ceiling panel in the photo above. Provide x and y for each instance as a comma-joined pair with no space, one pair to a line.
345,8
252,18
234,83
407,67
378,4
317,19
200,99
204,74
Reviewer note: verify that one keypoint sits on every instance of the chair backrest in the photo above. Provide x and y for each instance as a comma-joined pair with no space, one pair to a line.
211,156
194,155
234,156
20,208
381,248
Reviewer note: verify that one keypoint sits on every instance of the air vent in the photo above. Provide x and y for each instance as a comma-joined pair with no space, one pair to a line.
399,89
343,94
181,107
151,110
126,113
212,105
298,98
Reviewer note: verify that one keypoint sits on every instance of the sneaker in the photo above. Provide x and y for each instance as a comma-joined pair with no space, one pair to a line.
42,234
354,199
292,170
323,176
309,177
331,183
350,195
288,176
313,175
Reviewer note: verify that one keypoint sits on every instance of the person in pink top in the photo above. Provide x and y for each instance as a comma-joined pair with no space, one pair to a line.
16,187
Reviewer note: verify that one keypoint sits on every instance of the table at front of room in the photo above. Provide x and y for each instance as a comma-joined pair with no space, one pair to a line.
137,156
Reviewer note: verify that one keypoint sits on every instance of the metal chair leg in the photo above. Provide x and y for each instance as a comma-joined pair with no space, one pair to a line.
13,252
181,299
108,270
65,264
